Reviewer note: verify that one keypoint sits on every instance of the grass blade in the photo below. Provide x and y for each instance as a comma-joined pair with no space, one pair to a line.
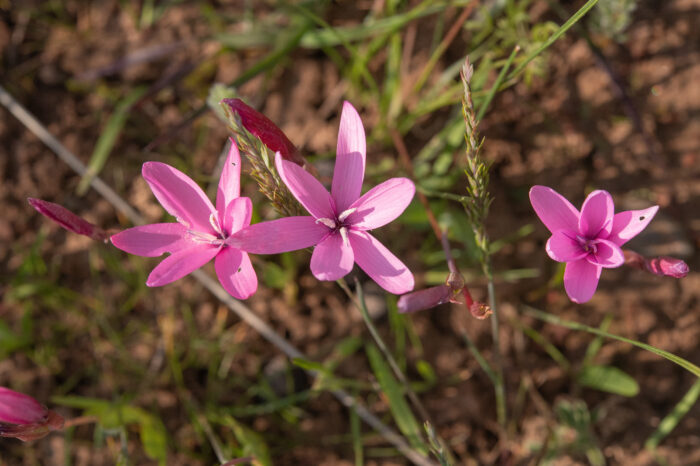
108,138
674,417
499,80
554,37
552,319
405,420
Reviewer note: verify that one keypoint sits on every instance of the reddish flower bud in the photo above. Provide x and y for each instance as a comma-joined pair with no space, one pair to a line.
68,219
265,130
18,408
425,299
663,266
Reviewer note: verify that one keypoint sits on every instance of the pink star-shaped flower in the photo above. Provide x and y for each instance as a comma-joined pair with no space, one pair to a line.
587,241
340,220
201,231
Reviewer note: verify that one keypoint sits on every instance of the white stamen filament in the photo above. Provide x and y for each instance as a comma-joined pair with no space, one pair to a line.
199,237
344,234
214,222
330,223
346,213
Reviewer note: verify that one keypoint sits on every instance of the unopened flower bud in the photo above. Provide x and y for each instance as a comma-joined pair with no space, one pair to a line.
24,418
68,219
264,129
18,408
425,299
663,266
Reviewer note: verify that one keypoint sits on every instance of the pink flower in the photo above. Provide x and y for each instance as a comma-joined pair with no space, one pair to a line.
587,241
339,221
201,230
18,408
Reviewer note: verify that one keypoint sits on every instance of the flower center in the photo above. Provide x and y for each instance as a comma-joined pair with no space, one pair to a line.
588,245
218,240
338,224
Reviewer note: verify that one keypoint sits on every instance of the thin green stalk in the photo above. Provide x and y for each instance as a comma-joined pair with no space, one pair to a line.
499,385
485,366
359,302
494,89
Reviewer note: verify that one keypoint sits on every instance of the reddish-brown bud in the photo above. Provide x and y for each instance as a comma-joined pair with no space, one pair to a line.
264,129
68,219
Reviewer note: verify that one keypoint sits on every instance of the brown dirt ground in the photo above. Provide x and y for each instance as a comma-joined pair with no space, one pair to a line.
567,130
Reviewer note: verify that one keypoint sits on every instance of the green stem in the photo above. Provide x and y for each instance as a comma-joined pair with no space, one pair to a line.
499,385
361,305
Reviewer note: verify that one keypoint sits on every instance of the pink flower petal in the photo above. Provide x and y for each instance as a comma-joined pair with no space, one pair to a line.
230,181
563,247
628,224
380,264
382,204
236,273
281,235
581,280
553,209
608,254
307,189
597,213
332,258
349,160
179,195
181,263
153,240
18,408
237,215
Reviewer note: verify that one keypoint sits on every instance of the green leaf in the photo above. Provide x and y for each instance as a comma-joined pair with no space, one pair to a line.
108,138
153,437
608,379
308,365
402,413
674,417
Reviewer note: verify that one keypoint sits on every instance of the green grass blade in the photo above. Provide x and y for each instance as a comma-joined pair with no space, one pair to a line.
674,417
554,37
497,84
108,138
356,431
552,319
405,420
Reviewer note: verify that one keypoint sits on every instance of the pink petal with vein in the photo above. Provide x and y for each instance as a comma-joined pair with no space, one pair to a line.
237,215
380,264
307,189
230,181
597,215
382,204
153,240
181,263
553,209
332,258
628,224
236,273
563,247
581,280
179,195
608,254
281,235
350,156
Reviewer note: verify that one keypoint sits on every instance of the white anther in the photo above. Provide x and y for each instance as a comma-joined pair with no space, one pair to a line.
346,213
199,237
344,234
330,223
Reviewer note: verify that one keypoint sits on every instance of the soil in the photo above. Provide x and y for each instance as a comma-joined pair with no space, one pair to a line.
569,129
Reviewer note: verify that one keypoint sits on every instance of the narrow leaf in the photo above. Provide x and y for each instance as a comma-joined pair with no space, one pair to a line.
674,417
608,379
